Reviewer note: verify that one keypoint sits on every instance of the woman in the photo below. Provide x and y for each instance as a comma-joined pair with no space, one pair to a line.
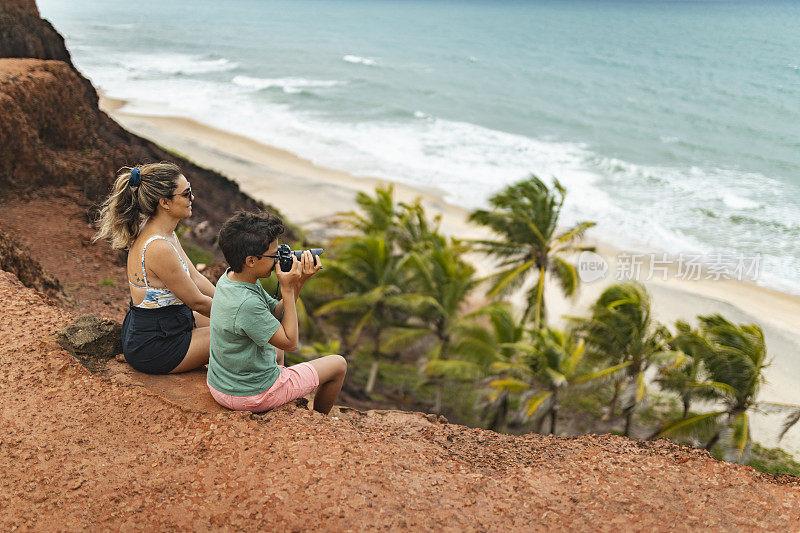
166,328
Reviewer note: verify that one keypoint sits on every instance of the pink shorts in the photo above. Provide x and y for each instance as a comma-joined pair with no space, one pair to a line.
294,382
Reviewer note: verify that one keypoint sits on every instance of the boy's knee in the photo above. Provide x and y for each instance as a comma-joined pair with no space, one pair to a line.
341,363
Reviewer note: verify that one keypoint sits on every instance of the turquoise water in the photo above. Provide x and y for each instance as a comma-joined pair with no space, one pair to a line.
675,125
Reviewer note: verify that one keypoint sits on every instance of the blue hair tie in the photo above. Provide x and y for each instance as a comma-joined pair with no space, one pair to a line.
136,178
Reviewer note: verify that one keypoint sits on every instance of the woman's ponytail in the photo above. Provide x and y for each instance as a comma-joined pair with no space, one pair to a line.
133,199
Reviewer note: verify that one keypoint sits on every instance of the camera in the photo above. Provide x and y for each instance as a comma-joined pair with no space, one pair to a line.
285,256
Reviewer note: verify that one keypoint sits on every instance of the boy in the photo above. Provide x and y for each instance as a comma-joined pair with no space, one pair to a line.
244,372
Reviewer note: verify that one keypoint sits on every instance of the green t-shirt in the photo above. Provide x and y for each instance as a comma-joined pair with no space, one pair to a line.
242,361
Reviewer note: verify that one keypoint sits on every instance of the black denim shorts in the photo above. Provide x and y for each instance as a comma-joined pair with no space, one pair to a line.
155,341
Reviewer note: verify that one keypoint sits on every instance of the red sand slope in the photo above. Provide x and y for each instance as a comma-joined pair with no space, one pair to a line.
81,451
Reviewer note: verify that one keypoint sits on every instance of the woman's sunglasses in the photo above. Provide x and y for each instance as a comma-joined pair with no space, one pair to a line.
186,194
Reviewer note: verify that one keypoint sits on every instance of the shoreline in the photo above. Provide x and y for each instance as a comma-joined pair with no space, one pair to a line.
311,196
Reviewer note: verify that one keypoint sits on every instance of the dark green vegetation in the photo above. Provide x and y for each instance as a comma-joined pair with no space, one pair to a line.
422,331
772,460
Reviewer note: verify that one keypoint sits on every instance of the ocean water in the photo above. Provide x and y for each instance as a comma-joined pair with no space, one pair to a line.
673,124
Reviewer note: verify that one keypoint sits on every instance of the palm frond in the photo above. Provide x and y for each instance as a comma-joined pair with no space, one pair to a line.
575,232
362,323
791,410
532,405
452,369
791,419
350,304
669,357
741,434
522,346
416,303
509,385
556,378
723,388
398,339
509,278
575,358
567,275
510,367
702,423
500,249
640,387
600,374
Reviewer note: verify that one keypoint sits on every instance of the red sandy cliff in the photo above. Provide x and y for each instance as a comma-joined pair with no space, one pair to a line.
81,451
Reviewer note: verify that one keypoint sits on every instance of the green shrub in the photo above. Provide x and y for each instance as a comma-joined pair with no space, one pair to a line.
774,461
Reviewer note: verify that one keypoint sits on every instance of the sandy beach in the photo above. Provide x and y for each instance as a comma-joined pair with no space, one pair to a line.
312,196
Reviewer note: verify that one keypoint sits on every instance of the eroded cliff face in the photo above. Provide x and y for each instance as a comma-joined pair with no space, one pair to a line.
49,132
23,33
16,259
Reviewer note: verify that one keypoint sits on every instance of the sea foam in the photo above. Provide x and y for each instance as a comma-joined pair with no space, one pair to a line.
737,202
173,64
360,60
288,85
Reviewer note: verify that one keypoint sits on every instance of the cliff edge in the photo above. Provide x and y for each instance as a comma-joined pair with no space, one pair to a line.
81,451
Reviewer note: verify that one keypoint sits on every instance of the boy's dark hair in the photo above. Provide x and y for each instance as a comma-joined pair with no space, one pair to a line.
246,234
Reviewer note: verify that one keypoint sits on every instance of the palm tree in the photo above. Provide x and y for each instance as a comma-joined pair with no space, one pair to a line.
525,217
319,349
736,359
475,350
552,361
435,269
443,276
370,280
378,214
405,225
414,231
621,330
411,274
732,359
687,376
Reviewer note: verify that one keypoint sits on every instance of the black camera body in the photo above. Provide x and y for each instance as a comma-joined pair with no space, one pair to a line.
285,256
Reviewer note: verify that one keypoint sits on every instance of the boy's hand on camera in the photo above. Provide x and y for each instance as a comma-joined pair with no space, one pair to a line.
309,268
293,278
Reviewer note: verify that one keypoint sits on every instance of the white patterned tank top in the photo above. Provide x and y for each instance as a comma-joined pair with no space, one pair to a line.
155,298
